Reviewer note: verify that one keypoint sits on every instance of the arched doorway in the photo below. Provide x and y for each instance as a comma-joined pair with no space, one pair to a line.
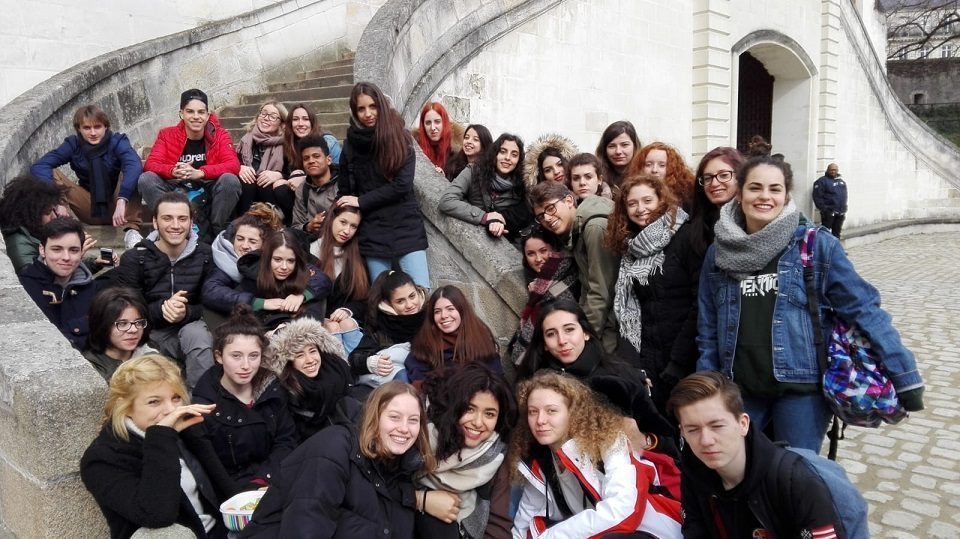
775,83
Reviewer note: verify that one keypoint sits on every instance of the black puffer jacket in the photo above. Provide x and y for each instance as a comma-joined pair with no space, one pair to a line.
668,310
392,223
328,489
136,483
151,271
249,440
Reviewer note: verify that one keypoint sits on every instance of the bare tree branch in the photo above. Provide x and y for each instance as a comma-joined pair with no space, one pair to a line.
920,25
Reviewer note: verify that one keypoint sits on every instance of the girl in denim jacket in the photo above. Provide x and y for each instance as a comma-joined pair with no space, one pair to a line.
754,325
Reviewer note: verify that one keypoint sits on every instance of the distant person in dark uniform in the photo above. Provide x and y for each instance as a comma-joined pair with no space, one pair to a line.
830,197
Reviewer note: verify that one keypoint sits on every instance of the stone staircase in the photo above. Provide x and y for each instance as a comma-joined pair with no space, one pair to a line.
326,91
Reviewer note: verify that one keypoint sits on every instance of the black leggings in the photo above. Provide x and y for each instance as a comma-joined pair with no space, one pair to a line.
282,197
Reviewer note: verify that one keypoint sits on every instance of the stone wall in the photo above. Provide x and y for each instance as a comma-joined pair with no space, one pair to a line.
934,78
43,37
50,398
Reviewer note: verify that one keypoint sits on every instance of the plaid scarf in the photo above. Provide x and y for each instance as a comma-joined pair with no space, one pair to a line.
644,257
555,280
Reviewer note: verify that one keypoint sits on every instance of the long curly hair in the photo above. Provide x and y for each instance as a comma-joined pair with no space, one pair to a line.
290,153
436,151
353,277
26,200
486,166
594,426
449,393
619,227
390,135
475,341
678,175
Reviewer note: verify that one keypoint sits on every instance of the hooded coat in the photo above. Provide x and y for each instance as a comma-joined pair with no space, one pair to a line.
322,401
550,140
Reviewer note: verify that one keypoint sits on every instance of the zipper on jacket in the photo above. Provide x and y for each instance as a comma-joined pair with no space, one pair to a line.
173,289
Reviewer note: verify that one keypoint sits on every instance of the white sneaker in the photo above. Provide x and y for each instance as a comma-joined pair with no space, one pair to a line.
131,238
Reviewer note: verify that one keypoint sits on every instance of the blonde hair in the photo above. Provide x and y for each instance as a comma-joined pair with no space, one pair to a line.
593,425
370,445
130,378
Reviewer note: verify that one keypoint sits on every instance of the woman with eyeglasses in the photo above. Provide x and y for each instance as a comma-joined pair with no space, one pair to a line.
715,186
655,296
118,330
262,162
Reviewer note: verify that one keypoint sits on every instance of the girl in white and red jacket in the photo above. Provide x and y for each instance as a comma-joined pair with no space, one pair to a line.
580,477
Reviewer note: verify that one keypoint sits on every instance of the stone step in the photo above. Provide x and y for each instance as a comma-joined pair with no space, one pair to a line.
339,130
951,202
327,72
325,118
294,96
319,82
318,105
347,60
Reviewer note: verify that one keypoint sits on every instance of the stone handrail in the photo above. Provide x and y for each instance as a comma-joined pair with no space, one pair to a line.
50,398
408,48
928,146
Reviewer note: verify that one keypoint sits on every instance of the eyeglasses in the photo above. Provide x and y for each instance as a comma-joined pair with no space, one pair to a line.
723,177
272,116
549,209
123,326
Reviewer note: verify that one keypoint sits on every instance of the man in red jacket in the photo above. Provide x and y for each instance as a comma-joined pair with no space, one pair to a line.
196,151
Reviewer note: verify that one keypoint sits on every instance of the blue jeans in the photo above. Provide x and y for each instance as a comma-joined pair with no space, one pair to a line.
413,264
799,420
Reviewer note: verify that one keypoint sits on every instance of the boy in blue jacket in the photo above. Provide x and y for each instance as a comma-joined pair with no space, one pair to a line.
98,156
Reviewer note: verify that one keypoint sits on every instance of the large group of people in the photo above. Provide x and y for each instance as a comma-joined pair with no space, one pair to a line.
277,329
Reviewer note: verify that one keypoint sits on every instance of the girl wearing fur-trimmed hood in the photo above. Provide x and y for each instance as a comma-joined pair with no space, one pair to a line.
559,147
311,365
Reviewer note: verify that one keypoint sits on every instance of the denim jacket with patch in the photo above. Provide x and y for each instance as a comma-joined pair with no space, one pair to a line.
839,288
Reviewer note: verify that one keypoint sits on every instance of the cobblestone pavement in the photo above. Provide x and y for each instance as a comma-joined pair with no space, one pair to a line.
909,473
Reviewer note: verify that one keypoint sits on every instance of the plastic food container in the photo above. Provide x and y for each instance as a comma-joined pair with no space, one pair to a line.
238,509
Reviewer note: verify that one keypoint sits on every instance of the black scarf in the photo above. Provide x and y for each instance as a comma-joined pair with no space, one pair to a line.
584,366
400,328
361,139
321,393
101,188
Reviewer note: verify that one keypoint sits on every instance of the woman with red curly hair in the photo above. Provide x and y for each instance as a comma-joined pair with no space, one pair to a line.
665,162
655,297
435,135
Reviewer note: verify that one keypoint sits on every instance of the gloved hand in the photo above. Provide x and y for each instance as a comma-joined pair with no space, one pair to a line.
912,400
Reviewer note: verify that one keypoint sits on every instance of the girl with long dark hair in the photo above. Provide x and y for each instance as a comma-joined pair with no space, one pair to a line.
376,176
452,334
715,186
471,413
302,121
395,313
476,140
617,145
492,193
